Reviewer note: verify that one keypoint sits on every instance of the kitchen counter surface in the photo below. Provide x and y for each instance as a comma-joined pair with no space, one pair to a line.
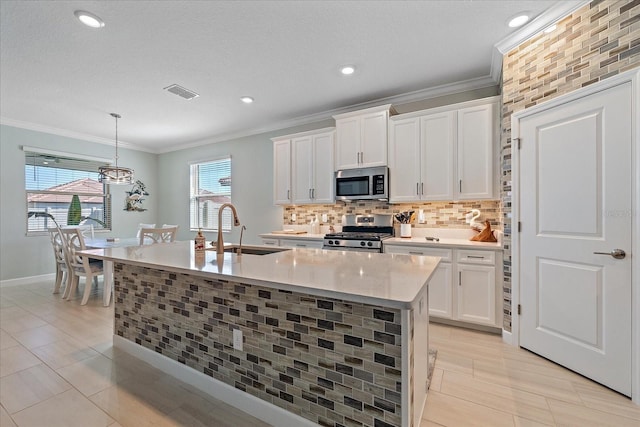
389,279
452,243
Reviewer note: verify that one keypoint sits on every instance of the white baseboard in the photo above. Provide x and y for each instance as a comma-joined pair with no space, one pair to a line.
507,337
27,280
245,402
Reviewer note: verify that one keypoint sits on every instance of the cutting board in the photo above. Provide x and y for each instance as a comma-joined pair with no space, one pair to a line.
289,232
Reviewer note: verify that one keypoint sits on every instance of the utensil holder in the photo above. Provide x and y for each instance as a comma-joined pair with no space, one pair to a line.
405,230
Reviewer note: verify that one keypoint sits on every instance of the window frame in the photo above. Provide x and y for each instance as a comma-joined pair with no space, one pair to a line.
195,220
105,195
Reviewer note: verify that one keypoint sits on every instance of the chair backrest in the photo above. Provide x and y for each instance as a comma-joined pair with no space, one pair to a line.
58,243
143,225
74,242
157,235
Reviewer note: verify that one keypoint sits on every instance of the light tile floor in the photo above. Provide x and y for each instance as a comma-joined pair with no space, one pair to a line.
58,368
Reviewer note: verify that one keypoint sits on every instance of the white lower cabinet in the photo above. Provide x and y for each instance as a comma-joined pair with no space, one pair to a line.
464,287
292,243
476,292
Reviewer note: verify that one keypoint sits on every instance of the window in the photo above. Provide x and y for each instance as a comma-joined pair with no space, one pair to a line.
210,189
57,183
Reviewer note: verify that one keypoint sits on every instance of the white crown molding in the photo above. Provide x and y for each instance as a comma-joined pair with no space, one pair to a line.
71,134
548,17
419,95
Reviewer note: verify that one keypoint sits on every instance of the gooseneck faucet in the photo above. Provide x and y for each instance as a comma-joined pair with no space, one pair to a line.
236,222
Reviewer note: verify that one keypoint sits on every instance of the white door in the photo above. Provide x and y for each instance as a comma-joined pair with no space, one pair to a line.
323,176
475,153
437,134
575,200
404,160
373,145
348,143
282,172
302,169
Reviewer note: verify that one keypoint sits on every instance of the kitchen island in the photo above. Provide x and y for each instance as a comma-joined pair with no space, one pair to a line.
321,337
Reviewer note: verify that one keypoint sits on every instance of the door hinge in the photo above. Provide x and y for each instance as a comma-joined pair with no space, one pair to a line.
519,227
519,309
519,142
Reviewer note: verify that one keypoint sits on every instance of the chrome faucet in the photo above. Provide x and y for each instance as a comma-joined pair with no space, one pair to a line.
239,251
236,222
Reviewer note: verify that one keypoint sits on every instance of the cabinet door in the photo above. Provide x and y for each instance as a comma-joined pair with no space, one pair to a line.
302,169
404,160
282,172
475,153
440,292
476,294
437,135
323,180
348,143
373,145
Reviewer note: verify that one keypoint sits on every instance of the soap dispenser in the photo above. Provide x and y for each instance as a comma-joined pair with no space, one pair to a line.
199,242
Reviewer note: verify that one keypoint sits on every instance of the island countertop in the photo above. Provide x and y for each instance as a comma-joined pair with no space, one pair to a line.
373,278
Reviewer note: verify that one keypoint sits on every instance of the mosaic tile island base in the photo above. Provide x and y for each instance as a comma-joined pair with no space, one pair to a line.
329,338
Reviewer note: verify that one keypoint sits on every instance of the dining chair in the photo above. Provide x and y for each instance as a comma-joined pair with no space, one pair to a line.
80,265
157,235
59,254
143,225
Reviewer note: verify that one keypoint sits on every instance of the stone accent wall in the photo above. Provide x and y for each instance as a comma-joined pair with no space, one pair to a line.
437,214
597,41
335,363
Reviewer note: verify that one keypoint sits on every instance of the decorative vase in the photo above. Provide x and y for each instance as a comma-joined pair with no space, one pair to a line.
405,230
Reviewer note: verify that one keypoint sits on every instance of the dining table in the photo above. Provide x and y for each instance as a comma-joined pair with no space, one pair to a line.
106,243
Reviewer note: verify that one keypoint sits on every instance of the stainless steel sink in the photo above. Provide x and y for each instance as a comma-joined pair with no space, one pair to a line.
253,250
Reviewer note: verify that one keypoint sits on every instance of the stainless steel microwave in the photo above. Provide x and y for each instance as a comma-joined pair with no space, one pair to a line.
363,184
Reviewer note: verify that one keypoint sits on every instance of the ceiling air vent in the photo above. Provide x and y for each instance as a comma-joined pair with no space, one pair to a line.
181,91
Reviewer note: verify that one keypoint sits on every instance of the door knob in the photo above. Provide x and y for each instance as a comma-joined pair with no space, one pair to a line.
616,253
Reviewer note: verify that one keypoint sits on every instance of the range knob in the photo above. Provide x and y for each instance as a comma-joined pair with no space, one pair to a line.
330,242
370,244
362,243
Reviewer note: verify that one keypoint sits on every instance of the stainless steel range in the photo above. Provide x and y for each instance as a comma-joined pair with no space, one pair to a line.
361,233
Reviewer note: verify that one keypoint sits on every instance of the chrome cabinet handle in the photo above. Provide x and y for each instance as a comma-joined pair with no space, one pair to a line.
475,256
616,253
416,253
288,197
422,188
417,186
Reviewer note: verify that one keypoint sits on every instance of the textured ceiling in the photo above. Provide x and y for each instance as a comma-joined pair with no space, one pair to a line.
58,75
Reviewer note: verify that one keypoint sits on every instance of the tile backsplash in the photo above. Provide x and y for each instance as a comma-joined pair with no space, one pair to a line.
437,214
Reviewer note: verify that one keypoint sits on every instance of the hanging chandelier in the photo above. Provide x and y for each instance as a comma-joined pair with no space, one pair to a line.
114,174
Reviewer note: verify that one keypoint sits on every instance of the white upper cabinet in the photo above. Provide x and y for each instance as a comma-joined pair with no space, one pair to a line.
282,171
303,167
312,173
476,131
361,138
444,153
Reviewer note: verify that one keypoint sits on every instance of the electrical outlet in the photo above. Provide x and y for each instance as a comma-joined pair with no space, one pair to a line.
237,339
293,217
325,218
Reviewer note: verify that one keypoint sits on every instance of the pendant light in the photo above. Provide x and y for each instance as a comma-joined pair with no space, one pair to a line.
115,175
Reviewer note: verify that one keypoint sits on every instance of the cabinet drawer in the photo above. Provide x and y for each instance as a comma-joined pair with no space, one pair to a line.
476,257
270,242
444,254
300,243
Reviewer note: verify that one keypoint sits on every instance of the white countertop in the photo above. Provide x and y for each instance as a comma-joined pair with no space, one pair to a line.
390,280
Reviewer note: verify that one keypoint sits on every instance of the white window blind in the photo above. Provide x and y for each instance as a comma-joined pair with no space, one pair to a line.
210,189
52,181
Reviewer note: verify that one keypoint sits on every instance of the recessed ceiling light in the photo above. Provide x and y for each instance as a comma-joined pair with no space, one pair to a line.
348,70
518,20
89,19
550,29
247,99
